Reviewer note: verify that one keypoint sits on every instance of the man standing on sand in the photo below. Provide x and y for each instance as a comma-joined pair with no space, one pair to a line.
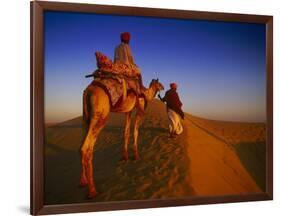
174,110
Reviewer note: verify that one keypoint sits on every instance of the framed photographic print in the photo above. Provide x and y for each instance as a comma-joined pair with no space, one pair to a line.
140,107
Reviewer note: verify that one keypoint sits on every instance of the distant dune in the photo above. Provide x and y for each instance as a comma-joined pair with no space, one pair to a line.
201,161
233,132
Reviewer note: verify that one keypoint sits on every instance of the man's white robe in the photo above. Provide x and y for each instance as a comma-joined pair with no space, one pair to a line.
175,125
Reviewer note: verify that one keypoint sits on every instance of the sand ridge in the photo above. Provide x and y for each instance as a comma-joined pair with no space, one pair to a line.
215,169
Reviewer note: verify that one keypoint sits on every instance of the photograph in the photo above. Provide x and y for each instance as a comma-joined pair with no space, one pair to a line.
152,108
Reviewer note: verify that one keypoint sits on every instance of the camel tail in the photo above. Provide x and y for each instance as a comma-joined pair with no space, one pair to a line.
86,118
124,89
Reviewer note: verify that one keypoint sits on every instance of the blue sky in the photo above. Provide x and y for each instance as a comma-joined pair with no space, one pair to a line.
218,66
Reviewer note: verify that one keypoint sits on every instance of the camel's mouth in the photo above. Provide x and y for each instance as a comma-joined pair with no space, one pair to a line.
161,87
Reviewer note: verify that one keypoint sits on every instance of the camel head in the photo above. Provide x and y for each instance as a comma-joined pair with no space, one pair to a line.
156,85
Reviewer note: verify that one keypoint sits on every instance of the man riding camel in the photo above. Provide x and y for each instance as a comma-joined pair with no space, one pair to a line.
174,110
121,75
123,54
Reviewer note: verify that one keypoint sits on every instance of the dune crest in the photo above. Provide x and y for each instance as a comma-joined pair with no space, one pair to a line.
215,169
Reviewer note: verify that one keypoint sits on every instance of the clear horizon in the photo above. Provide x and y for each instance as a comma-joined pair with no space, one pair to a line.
219,66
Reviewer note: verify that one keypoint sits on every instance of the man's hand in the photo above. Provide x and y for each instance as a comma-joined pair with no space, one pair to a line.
181,113
182,116
159,96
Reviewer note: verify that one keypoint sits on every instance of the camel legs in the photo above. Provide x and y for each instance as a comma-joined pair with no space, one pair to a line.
83,178
97,122
138,119
126,136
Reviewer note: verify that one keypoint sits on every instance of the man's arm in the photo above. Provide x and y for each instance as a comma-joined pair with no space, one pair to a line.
159,96
177,98
179,110
164,99
130,55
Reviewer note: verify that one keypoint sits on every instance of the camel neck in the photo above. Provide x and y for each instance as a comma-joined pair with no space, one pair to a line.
151,92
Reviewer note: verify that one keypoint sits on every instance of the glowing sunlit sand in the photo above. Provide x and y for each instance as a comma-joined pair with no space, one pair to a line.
198,162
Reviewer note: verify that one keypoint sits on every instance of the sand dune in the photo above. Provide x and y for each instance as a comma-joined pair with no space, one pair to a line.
198,162
247,140
215,169
161,172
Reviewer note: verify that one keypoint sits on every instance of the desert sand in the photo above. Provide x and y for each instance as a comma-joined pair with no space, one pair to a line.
247,140
215,168
199,162
232,132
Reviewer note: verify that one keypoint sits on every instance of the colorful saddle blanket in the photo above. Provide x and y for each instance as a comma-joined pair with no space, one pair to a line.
105,64
117,89
116,79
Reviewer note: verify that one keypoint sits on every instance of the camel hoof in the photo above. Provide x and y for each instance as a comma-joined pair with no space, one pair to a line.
137,157
125,157
92,194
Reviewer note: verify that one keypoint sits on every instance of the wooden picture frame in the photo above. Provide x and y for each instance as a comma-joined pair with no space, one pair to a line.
37,205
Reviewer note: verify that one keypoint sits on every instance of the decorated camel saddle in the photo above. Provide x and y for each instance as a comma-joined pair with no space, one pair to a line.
116,79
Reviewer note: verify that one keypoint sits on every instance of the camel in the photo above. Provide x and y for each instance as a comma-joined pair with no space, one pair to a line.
96,109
